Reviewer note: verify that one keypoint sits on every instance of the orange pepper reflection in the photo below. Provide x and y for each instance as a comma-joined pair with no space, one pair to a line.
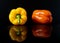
18,33
42,31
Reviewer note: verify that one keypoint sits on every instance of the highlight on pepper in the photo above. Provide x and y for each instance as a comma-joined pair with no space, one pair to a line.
18,16
42,16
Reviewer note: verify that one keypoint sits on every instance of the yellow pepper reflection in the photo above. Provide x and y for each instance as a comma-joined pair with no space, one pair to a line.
18,33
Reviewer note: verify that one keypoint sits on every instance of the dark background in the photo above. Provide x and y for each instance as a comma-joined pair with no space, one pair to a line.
30,6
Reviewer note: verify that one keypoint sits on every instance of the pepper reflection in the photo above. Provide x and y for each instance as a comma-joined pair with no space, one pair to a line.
18,33
42,31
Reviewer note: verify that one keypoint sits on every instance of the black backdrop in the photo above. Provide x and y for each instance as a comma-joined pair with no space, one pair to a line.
30,6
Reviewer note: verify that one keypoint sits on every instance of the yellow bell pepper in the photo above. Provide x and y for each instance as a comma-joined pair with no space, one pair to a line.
18,33
18,16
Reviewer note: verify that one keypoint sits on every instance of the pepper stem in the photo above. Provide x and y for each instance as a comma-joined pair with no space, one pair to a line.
18,16
18,32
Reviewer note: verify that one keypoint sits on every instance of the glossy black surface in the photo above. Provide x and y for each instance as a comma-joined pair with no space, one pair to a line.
30,6
54,36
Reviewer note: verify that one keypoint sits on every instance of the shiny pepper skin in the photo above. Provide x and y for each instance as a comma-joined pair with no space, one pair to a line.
42,16
18,16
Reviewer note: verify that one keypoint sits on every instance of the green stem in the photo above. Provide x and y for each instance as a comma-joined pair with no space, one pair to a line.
18,32
18,16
